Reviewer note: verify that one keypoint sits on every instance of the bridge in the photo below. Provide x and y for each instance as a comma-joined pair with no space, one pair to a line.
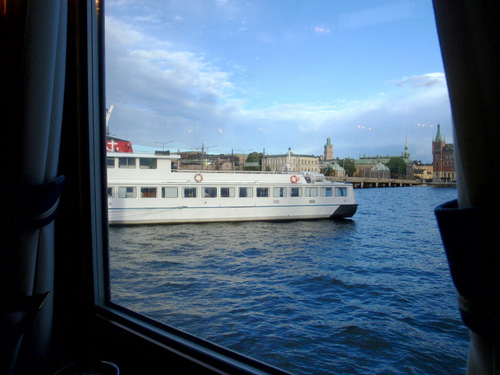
366,182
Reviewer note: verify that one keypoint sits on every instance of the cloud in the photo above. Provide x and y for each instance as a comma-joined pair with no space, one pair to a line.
424,80
322,30
149,72
164,93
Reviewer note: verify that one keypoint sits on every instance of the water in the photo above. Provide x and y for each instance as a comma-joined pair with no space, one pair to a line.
371,295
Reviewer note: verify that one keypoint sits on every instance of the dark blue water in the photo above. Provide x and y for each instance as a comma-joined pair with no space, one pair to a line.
371,295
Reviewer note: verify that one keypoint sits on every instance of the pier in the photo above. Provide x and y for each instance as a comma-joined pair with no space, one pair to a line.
366,182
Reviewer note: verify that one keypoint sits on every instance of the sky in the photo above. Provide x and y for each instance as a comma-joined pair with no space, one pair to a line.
265,75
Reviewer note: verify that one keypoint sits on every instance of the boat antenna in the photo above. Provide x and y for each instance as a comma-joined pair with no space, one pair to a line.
108,115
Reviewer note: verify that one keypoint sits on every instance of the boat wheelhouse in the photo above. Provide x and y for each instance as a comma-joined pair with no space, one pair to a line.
146,189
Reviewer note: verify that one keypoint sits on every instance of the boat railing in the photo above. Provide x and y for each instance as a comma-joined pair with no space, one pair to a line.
231,171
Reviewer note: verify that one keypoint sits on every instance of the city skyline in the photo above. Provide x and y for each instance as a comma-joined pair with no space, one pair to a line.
236,76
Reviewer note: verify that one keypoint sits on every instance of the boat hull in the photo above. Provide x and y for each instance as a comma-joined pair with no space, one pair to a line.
196,214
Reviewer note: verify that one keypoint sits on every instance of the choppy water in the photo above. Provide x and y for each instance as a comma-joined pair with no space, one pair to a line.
371,295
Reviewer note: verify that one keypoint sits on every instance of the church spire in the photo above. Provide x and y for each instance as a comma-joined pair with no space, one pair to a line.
438,136
406,153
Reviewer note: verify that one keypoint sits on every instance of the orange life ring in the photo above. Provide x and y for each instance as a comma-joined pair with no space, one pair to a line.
294,179
198,177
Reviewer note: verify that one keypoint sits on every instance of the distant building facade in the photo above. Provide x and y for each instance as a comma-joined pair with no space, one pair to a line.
365,163
443,159
423,172
292,162
195,160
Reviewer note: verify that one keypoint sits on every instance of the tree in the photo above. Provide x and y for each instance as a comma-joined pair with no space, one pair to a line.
348,166
254,157
397,166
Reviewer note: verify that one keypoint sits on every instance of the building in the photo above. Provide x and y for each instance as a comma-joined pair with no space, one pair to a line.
365,163
380,171
443,159
292,162
422,172
338,171
193,160
328,154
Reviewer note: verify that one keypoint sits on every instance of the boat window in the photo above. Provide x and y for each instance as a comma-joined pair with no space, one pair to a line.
169,192
111,192
326,192
148,192
189,192
147,163
262,192
279,192
209,192
110,162
246,192
126,162
311,192
227,192
127,192
341,192
295,192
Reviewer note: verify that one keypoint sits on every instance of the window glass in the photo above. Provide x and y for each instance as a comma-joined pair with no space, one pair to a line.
189,192
311,192
147,163
341,192
148,192
110,162
210,80
262,192
279,192
111,193
326,192
209,192
169,192
245,192
295,192
126,162
227,192
127,192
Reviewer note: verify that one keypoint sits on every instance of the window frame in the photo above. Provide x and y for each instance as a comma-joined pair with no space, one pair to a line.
279,192
231,192
189,188
126,196
126,163
262,192
148,192
206,190
88,19
247,189
298,191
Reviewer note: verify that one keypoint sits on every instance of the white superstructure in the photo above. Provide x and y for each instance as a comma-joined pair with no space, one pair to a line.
144,189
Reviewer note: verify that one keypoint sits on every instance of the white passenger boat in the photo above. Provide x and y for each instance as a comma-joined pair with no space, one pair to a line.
145,189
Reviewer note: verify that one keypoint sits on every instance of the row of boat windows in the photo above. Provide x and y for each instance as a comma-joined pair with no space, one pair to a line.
224,192
144,163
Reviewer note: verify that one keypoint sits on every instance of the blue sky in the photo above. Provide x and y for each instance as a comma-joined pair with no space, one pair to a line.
272,74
